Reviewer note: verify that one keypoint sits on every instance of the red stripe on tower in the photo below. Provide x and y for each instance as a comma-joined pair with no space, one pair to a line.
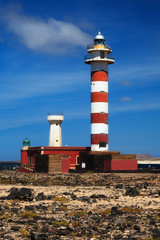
99,97
96,138
99,76
99,118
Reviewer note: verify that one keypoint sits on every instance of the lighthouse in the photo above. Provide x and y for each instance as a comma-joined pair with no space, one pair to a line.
56,158
55,138
99,57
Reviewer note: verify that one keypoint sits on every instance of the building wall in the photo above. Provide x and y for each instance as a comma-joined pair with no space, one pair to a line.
52,163
124,164
55,163
23,160
72,152
65,165
108,161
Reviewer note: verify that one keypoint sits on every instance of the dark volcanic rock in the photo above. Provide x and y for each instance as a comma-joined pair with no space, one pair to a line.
13,193
35,236
118,237
98,196
29,208
73,196
15,228
132,192
85,199
156,233
41,196
119,186
25,194
115,211
137,228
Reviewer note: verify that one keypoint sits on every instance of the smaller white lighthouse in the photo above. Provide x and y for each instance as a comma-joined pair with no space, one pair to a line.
55,138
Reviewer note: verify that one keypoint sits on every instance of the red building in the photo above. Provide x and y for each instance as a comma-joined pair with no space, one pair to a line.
29,156
72,158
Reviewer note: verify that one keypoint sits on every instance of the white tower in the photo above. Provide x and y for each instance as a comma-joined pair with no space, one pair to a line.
55,138
99,57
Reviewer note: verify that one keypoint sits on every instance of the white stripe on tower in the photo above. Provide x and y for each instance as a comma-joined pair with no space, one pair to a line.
99,128
99,107
99,86
99,92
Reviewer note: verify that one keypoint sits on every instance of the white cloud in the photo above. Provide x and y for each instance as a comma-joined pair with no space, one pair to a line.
126,83
134,73
25,86
136,108
46,36
124,99
27,119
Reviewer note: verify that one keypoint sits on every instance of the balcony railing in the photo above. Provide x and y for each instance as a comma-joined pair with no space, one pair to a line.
88,56
56,113
91,46
28,166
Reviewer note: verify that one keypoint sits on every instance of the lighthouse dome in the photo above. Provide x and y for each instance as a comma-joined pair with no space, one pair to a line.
26,142
99,39
99,36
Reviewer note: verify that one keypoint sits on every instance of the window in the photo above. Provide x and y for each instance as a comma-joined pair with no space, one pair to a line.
102,144
102,54
77,160
99,41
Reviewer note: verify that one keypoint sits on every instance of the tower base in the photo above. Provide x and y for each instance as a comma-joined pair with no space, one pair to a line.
107,160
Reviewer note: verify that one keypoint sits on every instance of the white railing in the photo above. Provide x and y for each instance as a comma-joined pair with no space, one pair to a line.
88,56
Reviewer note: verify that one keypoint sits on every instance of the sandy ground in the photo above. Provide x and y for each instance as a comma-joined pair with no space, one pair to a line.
114,197
148,201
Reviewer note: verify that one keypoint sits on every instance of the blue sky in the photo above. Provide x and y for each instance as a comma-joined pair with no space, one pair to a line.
42,70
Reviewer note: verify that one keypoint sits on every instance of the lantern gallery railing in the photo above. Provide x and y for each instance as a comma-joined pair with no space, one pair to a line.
88,56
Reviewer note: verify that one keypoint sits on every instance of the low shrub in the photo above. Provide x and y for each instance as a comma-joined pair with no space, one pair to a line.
59,224
27,214
60,199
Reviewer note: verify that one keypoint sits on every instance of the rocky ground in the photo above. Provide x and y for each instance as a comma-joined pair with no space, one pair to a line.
80,206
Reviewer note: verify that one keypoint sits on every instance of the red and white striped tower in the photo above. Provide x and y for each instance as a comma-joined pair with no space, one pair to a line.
99,59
